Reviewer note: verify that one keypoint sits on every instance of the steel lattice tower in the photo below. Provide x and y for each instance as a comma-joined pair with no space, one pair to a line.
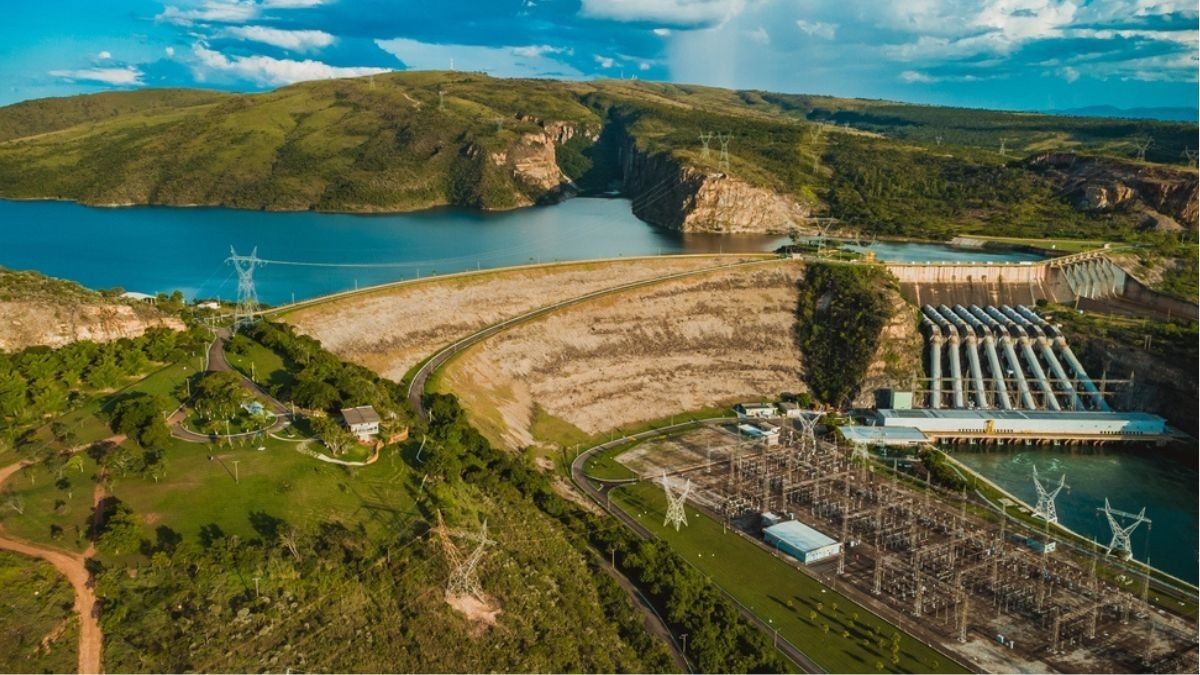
247,297
1121,534
676,514
1045,504
464,575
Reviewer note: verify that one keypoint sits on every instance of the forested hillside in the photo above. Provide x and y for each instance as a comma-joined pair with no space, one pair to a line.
413,140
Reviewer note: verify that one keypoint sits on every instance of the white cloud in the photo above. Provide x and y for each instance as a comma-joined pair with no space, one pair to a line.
914,76
104,55
518,61
228,11
293,40
1068,73
819,29
211,11
643,66
535,51
265,70
759,36
125,77
604,61
679,12
662,32
170,52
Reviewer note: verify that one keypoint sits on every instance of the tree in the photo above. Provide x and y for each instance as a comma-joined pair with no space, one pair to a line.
13,389
219,395
103,373
331,434
140,417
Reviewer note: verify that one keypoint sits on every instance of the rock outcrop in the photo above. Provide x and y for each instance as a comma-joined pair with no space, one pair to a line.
28,323
533,162
1167,196
669,193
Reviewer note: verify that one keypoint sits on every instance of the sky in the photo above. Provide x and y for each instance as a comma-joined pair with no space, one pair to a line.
1006,54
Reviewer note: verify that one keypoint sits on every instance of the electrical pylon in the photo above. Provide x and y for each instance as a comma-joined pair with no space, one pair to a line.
676,513
1142,144
705,138
464,575
1121,533
808,433
724,140
1045,498
247,302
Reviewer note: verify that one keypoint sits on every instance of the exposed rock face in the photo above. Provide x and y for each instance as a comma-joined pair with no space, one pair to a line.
668,193
27,323
532,161
1167,195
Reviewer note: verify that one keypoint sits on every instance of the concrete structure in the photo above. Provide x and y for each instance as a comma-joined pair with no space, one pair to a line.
801,542
362,421
884,437
767,433
791,410
900,400
758,410
1083,425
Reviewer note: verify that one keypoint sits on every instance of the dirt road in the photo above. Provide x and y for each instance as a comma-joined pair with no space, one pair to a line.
71,565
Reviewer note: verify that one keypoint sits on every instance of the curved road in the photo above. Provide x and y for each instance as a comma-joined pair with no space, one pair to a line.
600,496
416,387
218,363
72,566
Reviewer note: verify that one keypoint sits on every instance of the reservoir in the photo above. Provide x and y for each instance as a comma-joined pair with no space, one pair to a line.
154,249
1131,478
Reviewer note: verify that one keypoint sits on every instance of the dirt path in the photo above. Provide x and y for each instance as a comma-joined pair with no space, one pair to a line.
72,566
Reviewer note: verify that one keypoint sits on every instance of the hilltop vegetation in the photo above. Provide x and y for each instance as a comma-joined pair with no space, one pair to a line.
412,140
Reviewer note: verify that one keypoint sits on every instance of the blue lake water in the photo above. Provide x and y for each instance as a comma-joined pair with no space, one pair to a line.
1131,478
160,249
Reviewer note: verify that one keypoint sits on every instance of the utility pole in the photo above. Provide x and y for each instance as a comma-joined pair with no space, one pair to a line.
441,99
235,471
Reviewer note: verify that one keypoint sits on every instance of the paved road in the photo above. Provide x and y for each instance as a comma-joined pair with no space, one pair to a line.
218,363
600,496
72,566
416,387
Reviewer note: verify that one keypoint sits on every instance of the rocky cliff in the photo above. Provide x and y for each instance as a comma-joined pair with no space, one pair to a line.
532,160
667,192
897,360
1167,196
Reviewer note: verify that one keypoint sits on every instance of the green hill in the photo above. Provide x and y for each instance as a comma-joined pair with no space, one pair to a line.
413,140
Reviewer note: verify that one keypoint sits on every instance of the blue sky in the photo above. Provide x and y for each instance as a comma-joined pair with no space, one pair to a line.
1012,54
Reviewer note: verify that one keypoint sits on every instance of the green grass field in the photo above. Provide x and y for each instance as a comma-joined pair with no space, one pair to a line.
1059,245
814,618
261,364
35,606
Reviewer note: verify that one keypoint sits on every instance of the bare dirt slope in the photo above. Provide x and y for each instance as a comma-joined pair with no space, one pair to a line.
634,356
391,330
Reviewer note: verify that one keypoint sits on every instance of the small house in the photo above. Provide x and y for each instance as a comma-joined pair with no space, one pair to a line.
757,410
791,410
362,421
208,304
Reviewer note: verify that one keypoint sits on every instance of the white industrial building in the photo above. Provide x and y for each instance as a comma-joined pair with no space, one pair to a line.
1033,423
756,410
801,541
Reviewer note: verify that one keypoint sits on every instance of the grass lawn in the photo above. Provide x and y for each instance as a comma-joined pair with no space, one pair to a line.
35,604
262,365
800,606
604,464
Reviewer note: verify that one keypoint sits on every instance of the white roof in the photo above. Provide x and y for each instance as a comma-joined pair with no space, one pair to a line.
885,435
799,536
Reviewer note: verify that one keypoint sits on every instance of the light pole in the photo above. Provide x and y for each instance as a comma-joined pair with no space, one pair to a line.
235,471
683,636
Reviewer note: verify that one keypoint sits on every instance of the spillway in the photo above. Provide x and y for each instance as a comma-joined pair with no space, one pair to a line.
999,327
972,348
989,349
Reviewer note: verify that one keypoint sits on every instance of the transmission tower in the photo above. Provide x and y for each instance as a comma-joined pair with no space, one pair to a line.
705,138
247,301
441,99
937,139
808,433
1121,533
1190,155
676,514
1003,147
724,140
464,575
1045,498
1142,144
